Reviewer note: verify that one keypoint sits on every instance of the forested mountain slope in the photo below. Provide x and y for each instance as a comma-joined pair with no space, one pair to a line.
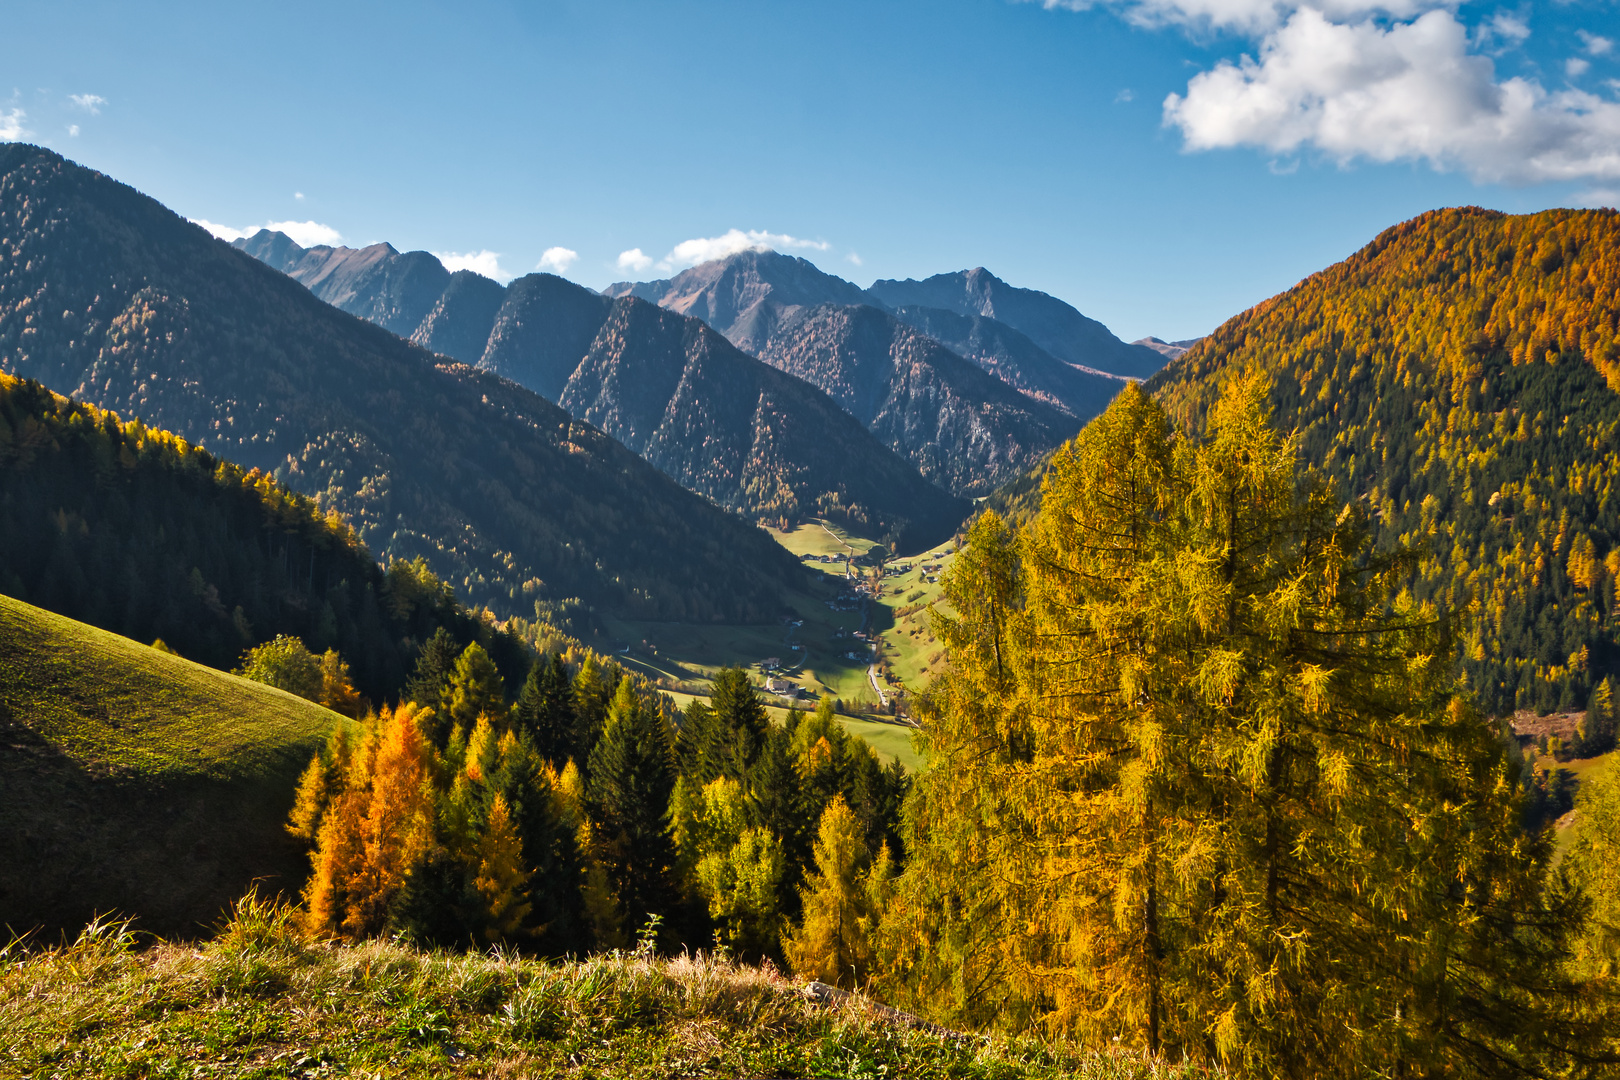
1052,324
131,529
109,296
750,437
1460,374
137,782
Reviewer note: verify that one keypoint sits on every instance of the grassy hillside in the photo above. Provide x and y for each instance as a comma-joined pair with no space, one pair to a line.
259,1002
135,781
1458,375
507,498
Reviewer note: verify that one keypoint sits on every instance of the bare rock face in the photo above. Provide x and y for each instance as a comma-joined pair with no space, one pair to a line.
1047,321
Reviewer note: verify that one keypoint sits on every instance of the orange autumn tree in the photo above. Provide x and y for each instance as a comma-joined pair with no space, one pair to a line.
375,829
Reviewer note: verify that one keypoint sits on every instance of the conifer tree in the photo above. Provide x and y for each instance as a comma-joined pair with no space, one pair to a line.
430,677
1593,866
476,688
501,879
1196,781
631,779
397,828
734,738
548,830
545,710
694,736
429,683
337,692
833,942
592,692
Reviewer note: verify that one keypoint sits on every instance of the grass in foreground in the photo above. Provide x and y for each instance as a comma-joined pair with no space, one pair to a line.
260,1002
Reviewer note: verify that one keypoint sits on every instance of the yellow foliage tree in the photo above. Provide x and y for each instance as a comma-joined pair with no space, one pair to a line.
833,941
501,878
337,692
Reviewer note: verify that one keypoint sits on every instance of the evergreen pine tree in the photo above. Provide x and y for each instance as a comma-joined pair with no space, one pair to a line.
734,739
631,779
545,710
476,689
429,683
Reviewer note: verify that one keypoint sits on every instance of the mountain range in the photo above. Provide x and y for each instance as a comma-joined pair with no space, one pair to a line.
109,297
898,371
722,423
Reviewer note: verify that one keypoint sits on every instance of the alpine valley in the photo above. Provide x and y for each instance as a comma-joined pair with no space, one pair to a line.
450,677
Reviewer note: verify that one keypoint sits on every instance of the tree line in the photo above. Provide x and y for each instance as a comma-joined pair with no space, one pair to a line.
586,812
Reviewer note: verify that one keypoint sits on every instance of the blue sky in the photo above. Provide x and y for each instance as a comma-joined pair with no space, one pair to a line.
915,136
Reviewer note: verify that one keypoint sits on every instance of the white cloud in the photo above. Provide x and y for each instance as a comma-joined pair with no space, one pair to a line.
1511,30
303,233
299,195
90,103
479,262
11,125
854,258
307,233
732,241
557,259
1392,92
1575,67
634,259
224,232
1600,197
1246,15
1593,44
73,131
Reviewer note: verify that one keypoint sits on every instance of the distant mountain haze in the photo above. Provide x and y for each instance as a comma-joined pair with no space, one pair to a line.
1049,322
725,291
759,300
376,283
460,322
962,428
544,328
508,498
1170,350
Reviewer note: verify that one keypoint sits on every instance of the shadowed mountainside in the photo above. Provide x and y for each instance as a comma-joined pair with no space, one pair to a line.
748,436
507,497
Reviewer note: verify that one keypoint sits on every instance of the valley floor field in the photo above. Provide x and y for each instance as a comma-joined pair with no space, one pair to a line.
827,649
